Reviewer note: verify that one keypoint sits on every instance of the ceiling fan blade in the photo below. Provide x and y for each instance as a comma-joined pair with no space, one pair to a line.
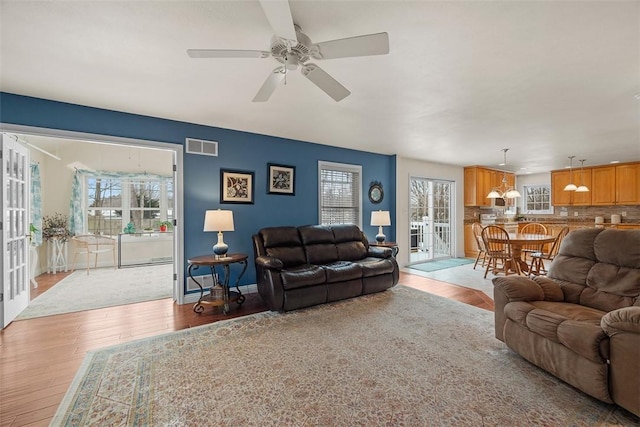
269,86
324,81
279,17
227,53
370,44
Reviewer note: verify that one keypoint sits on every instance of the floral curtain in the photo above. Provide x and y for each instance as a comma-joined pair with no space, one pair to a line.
76,215
36,205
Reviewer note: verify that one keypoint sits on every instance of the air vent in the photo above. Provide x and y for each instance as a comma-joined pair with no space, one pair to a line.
202,147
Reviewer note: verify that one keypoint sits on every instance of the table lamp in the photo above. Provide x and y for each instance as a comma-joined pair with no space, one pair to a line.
219,220
380,218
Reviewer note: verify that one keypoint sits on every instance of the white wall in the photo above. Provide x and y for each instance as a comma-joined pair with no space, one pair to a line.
408,168
533,179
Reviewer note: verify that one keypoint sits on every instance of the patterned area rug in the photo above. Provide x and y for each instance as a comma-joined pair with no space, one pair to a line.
397,358
442,264
102,287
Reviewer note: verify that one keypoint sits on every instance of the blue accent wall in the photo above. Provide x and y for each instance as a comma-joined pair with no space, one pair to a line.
238,151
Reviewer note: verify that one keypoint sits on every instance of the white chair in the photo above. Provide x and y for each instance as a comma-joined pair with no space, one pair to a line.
92,244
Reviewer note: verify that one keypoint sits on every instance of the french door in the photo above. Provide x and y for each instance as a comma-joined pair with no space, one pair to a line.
15,228
430,219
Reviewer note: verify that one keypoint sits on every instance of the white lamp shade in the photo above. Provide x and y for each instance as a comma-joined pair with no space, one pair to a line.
380,218
493,194
512,194
218,220
582,189
570,187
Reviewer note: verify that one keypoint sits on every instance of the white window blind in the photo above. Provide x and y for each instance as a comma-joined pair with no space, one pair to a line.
340,196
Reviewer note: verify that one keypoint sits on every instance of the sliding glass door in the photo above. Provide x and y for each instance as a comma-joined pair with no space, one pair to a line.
430,220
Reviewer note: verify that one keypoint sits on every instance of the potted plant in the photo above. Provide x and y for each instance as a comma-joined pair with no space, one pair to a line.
165,225
55,227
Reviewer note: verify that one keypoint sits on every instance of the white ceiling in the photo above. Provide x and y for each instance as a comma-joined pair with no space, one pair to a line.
463,79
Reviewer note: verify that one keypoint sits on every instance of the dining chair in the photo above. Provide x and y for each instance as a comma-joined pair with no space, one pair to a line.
93,245
482,250
532,228
498,246
537,267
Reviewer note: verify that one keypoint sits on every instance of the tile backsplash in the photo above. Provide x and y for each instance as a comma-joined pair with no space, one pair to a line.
584,214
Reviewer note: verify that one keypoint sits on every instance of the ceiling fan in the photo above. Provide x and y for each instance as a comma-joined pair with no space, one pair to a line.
292,48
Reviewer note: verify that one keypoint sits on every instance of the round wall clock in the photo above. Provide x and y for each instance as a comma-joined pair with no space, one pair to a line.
375,192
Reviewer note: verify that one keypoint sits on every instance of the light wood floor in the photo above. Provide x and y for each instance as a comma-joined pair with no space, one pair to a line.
39,357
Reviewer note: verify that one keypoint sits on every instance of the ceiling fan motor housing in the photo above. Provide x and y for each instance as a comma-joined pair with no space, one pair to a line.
292,52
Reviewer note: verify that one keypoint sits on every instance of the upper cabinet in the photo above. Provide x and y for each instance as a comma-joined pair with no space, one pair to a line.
479,181
608,185
560,179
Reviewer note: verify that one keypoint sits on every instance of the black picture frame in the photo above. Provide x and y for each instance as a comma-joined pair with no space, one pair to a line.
281,179
236,186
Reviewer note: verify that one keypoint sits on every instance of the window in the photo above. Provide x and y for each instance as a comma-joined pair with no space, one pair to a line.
537,199
114,202
339,193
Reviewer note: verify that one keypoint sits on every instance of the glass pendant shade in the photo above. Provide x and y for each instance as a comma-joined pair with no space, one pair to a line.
570,187
582,189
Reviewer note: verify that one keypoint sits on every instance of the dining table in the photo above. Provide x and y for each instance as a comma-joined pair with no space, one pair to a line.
518,241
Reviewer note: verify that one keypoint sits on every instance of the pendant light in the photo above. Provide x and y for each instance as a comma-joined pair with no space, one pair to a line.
583,188
570,186
504,191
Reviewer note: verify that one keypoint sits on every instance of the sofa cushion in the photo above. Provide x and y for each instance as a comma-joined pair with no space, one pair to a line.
599,268
280,236
291,256
301,276
342,271
375,266
574,326
351,251
346,233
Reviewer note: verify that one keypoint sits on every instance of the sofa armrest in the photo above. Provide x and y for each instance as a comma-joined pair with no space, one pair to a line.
625,319
379,252
623,328
518,288
269,263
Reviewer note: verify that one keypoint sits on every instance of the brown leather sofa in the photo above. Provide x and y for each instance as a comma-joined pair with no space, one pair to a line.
581,323
302,266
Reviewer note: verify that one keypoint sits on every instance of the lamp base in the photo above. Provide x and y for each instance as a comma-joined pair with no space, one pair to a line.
380,238
220,249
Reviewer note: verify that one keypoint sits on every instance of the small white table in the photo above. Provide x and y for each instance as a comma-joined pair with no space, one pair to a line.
57,255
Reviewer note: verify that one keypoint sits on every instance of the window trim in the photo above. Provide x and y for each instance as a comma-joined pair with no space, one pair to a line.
344,167
527,211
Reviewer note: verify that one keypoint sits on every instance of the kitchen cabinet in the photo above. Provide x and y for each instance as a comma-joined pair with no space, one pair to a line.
616,185
604,186
560,179
479,181
628,184
470,246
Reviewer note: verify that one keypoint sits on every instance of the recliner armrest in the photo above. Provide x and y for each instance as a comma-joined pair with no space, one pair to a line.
268,262
379,252
519,288
625,319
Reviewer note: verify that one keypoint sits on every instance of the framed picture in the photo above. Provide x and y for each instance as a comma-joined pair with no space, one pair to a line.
281,179
236,186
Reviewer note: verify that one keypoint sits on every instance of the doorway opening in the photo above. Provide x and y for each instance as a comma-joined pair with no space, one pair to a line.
430,220
126,185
